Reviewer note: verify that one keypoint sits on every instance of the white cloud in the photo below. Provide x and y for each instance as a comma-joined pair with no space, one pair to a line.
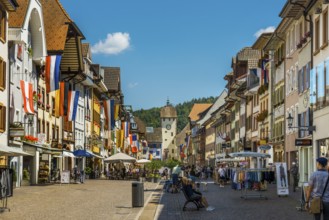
113,44
132,85
264,30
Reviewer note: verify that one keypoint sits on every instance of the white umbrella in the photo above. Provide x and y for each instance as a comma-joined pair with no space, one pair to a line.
249,154
120,157
143,161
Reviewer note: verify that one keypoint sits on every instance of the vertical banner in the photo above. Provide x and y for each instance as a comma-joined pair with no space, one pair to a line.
312,86
282,179
112,113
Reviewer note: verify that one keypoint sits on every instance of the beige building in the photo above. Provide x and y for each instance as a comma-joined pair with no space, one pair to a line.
168,116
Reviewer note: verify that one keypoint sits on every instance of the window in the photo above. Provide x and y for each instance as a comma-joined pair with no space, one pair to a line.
48,131
53,132
325,28
2,118
43,126
39,126
173,142
317,35
2,74
43,96
172,151
53,105
2,25
47,99
172,133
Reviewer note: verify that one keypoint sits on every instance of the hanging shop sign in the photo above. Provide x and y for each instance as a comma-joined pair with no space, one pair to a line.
303,142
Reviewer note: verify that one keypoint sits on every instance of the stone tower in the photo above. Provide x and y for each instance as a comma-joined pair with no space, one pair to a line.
168,117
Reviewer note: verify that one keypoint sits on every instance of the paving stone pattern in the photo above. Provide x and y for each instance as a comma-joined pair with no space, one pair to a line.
96,199
229,205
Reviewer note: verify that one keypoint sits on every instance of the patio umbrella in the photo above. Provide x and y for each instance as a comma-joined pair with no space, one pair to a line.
81,153
120,157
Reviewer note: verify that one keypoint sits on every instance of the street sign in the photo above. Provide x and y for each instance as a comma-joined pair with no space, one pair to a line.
303,142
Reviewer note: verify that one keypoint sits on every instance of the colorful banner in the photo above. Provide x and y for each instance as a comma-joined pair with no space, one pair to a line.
27,95
73,105
52,72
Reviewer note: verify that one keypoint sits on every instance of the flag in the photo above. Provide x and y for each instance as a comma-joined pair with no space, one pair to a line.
122,141
112,113
63,103
73,105
126,128
118,138
27,95
107,113
116,112
57,102
52,72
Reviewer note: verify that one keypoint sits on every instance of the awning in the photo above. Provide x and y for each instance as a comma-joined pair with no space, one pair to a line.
95,155
68,154
12,151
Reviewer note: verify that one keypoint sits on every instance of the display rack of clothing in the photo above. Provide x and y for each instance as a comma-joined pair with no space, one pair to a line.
252,182
6,187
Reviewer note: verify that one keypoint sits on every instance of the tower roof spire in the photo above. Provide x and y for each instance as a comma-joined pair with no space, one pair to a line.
168,103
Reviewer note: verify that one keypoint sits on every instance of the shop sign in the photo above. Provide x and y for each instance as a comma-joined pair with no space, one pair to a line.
16,132
303,142
262,142
96,149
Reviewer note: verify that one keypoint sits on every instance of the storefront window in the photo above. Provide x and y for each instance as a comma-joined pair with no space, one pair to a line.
323,148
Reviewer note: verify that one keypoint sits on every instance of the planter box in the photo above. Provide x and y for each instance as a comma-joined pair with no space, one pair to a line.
16,132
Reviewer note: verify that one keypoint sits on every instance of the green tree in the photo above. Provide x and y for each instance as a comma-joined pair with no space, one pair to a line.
151,117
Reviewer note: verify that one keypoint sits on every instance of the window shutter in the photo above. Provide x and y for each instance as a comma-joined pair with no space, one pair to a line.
299,124
299,73
3,118
4,76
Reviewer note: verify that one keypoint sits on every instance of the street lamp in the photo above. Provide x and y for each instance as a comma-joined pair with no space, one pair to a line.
29,120
290,122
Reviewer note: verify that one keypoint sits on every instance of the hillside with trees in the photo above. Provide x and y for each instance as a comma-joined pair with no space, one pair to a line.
151,117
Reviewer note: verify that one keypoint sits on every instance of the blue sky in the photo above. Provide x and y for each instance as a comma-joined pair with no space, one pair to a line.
179,49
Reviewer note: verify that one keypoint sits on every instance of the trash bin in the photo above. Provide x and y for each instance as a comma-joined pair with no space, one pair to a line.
137,194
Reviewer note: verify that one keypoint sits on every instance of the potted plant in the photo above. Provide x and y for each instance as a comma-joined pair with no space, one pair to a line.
149,177
26,178
30,51
156,178
14,177
87,172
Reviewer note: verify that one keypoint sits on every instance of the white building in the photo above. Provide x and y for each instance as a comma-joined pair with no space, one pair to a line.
168,117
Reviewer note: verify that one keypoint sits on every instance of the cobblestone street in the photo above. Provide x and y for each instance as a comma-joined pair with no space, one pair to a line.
229,205
96,199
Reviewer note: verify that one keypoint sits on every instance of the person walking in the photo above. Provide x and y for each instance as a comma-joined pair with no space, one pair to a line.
294,173
317,188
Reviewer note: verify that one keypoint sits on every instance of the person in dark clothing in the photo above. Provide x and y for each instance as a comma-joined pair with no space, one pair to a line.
294,173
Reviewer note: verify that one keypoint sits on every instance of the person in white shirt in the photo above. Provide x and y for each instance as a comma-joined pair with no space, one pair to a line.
221,174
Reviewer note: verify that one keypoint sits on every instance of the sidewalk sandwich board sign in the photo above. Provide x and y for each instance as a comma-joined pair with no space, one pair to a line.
282,179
